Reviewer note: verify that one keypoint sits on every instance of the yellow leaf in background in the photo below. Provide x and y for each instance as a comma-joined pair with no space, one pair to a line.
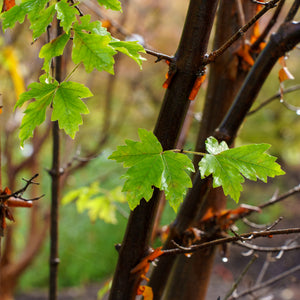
14,70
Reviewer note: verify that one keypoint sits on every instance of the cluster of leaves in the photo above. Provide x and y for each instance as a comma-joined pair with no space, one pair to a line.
98,202
93,46
150,166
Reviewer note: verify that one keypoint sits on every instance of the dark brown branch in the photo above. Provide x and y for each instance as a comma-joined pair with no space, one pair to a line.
293,10
55,174
215,54
267,283
159,56
18,194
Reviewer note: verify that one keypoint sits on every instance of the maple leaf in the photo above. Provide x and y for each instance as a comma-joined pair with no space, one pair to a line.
111,4
131,49
92,48
52,49
66,14
228,166
149,166
66,101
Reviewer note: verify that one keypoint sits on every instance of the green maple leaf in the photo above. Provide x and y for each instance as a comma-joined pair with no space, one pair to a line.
32,8
66,14
92,48
228,165
67,106
111,4
131,49
40,24
149,166
35,112
52,49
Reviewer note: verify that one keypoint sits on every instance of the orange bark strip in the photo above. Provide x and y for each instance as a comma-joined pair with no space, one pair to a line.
146,291
196,87
13,202
7,5
145,262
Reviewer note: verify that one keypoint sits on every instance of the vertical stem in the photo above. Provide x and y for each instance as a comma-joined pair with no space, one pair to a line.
55,187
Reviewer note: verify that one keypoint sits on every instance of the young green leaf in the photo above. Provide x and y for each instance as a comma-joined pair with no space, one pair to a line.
92,48
131,49
228,165
52,49
35,113
111,4
98,202
68,106
66,14
17,13
40,24
149,166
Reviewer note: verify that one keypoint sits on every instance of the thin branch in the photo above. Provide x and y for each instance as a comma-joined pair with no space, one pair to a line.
212,56
294,190
250,235
236,283
267,249
269,26
293,10
159,56
267,283
18,194
274,97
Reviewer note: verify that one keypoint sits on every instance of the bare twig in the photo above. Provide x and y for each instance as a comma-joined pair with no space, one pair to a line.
267,249
215,54
159,56
274,97
294,190
18,194
250,235
236,283
267,283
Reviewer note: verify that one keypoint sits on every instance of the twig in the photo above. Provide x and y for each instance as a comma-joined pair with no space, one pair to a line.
293,10
267,282
212,56
289,193
267,249
267,29
274,97
231,239
159,56
20,192
236,283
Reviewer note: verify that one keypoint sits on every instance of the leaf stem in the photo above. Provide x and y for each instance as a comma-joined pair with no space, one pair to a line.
188,152
71,73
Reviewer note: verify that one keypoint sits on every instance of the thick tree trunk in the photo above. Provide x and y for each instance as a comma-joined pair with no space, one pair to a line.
188,62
